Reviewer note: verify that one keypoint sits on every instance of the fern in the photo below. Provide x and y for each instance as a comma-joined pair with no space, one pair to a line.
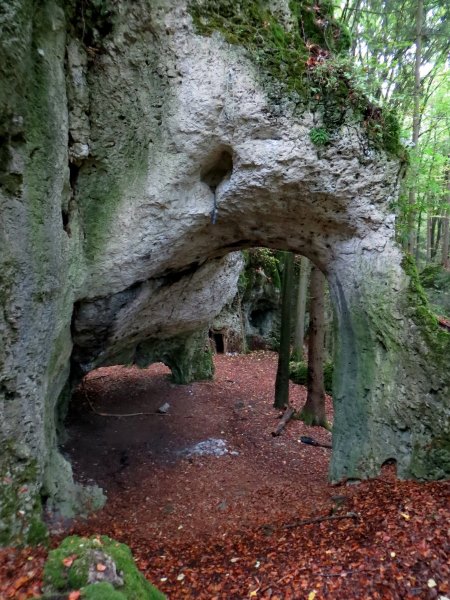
319,136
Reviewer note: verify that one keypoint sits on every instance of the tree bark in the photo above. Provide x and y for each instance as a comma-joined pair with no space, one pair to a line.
429,234
282,378
446,227
313,413
417,249
299,337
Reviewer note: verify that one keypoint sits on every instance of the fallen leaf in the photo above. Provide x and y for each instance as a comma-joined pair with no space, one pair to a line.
74,595
69,560
312,595
100,567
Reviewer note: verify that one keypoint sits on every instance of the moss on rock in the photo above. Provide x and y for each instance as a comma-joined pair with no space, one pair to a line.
67,568
302,59
419,309
193,360
20,504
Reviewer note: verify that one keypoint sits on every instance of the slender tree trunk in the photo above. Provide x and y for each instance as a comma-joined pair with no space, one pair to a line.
313,413
446,227
433,237
438,235
282,378
299,337
445,243
419,225
416,121
242,324
429,238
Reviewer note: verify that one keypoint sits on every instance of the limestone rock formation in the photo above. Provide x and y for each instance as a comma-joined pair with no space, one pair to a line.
138,149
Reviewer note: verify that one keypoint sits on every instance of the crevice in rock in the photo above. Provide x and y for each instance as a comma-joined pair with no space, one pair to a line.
218,168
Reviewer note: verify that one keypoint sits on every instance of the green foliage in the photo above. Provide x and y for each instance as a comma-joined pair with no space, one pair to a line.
298,373
261,266
435,277
319,136
384,46
280,50
436,281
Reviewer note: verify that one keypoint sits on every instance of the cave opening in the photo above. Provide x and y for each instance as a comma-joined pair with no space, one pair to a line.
128,426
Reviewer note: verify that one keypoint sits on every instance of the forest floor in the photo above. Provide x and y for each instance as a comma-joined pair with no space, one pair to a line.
214,507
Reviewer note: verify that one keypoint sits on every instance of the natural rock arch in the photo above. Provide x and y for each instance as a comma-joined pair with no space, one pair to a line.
130,174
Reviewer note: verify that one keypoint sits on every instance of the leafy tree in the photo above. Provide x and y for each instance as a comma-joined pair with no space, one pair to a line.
403,48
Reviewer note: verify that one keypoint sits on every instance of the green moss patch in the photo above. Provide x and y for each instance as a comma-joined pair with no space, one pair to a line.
20,504
419,310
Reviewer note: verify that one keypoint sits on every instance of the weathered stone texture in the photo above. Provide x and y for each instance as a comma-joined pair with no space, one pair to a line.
111,165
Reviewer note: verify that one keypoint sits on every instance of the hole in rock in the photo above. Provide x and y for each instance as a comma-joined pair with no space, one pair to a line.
219,341
389,468
217,168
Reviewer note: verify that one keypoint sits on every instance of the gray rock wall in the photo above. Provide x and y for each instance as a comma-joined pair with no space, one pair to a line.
133,160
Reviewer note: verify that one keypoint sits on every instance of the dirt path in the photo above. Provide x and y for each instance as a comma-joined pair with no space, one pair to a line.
230,526
148,467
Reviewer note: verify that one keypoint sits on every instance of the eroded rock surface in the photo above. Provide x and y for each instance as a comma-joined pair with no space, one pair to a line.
136,154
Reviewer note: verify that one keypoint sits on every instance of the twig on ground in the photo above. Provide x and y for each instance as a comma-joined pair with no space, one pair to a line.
288,414
102,414
349,515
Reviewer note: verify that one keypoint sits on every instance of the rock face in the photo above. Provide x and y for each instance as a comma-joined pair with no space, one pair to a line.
135,156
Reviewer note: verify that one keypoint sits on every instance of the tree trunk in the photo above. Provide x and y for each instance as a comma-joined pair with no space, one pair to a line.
282,379
436,236
419,225
313,413
429,237
299,338
416,122
446,227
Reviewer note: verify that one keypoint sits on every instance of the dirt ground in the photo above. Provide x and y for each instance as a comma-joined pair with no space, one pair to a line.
257,519
143,462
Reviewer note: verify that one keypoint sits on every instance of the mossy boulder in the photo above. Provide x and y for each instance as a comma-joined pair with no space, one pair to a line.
98,567
436,283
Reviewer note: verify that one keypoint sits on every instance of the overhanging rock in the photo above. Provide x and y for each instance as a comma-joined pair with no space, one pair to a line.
136,154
